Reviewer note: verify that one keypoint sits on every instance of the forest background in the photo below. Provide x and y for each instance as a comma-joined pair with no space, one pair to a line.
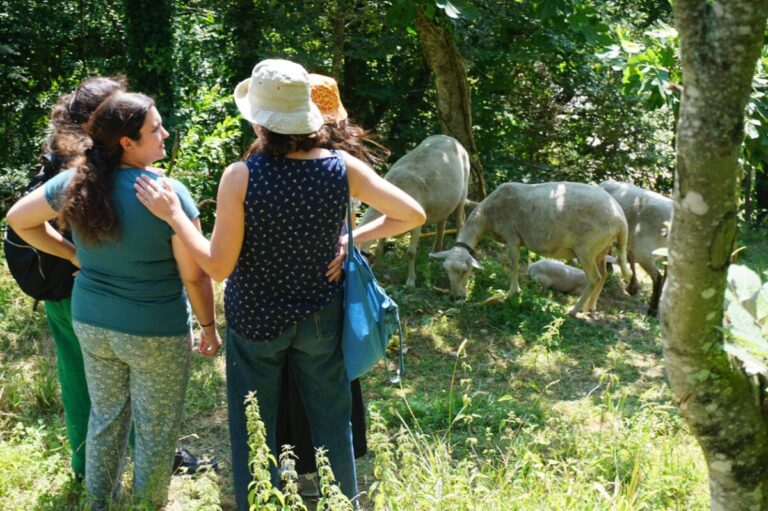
515,405
559,89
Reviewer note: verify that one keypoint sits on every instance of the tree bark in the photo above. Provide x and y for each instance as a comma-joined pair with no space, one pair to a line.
339,23
149,47
245,19
720,43
454,106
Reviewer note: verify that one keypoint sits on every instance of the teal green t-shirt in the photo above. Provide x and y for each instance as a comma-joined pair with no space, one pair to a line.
130,285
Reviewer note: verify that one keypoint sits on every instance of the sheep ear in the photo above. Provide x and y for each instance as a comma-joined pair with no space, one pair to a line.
439,255
475,264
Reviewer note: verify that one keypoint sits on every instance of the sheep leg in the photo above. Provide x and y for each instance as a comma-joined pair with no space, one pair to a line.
658,284
603,271
439,236
633,287
459,216
514,267
415,235
589,265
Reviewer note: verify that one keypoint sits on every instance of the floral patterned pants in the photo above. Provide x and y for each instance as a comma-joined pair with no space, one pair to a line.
139,378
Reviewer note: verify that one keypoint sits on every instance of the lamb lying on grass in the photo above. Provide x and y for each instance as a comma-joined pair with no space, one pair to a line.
647,214
561,220
558,276
561,277
436,174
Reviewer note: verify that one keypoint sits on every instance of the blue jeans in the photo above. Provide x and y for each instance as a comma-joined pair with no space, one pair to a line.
313,348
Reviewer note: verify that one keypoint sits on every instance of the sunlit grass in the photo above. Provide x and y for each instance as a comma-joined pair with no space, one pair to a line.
537,410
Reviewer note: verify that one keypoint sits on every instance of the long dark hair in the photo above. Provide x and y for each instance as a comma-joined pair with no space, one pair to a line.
279,145
355,140
87,205
67,140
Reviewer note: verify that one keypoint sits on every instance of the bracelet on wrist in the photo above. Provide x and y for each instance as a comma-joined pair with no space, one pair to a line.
207,324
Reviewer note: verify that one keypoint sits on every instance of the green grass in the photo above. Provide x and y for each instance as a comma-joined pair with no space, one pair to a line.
507,406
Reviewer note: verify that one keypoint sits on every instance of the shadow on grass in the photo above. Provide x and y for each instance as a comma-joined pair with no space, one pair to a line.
522,355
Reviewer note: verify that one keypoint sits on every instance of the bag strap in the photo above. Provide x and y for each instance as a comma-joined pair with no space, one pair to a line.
350,238
397,378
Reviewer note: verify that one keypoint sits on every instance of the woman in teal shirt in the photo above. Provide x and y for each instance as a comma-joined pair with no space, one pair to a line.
129,307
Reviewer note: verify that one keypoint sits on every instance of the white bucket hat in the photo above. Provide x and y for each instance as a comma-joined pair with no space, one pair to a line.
277,97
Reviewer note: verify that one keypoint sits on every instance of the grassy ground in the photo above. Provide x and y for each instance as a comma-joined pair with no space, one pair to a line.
508,406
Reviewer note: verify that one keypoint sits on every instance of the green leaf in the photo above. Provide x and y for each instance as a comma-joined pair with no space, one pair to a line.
664,31
761,303
751,131
631,47
458,9
742,282
744,328
752,364
546,9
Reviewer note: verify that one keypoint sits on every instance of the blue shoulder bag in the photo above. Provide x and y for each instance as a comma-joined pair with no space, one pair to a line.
370,316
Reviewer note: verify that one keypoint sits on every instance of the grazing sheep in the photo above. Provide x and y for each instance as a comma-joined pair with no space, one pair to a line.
558,276
559,220
436,174
646,213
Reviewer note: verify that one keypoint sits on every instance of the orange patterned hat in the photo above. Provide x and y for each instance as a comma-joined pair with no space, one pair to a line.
325,94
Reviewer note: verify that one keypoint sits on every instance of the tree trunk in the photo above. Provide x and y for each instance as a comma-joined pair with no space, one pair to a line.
719,43
245,21
454,106
149,47
339,23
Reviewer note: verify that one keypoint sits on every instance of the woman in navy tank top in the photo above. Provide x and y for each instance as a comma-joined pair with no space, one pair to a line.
277,239
292,423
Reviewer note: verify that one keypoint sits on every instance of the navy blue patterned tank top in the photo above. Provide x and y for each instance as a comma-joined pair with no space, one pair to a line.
294,211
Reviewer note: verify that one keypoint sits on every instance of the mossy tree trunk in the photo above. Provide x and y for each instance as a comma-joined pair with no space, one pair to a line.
720,43
149,47
343,9
454,105
246,21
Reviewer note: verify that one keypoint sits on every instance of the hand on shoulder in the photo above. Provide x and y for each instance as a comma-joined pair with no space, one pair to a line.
158,196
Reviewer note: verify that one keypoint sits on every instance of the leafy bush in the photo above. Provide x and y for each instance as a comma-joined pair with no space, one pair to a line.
12,183
746,325
209,141
262,494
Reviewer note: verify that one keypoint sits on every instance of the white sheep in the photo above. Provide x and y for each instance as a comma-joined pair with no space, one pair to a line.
558,276
560,220
436,174
647,214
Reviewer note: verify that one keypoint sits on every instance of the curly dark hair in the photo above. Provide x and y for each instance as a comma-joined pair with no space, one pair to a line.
67,140
87,204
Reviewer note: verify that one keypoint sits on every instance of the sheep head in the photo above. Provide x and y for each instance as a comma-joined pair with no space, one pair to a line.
458,263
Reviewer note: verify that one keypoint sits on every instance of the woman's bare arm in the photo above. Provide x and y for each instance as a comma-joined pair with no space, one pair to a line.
29,218
219,255
200,293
